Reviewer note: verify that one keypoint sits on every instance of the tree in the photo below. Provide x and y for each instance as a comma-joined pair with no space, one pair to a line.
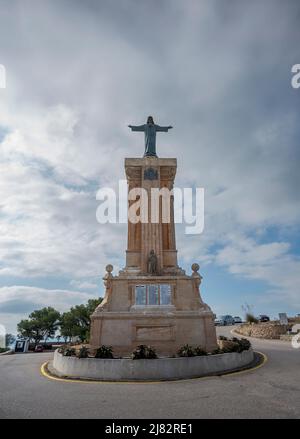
77,321
67,325
41,324
48,320
249,316
28,329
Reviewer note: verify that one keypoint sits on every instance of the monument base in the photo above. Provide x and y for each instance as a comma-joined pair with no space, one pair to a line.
122,322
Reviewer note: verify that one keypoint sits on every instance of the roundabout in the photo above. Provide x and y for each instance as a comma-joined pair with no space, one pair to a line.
163,369
270,390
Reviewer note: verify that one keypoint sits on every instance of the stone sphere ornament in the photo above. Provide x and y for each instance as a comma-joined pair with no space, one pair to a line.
195,267
109,268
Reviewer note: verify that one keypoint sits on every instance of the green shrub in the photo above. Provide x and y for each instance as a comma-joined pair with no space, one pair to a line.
250,318
237,345
143,352
199,351
186,351
234,345
62,349
216,351
83,352
104,352
2,350
244,344
231,347
222,337
69,352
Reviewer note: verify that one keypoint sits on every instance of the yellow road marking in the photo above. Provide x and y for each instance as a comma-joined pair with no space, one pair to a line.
46,374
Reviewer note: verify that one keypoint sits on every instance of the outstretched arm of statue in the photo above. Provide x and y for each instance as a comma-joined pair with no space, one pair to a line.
165,129
137,127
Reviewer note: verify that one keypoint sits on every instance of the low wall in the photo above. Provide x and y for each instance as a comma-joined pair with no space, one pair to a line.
10,352
156,369
262,330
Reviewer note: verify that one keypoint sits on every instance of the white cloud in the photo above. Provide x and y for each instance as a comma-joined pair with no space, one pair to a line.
41,296
65,111
271,263
18,301
84,285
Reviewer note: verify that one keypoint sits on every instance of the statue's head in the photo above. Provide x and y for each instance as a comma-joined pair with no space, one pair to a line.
152,252
150,120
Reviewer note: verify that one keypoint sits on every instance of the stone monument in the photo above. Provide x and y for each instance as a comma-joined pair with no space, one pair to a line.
152,300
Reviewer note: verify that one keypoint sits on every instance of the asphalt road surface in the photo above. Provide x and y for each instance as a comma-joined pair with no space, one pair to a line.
272,391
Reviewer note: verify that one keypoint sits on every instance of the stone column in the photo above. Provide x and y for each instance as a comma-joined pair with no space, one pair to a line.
148,173
151,231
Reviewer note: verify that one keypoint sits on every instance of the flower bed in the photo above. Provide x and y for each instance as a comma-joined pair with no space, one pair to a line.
151,369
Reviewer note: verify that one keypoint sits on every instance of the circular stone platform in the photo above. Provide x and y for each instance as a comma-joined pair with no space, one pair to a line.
157,369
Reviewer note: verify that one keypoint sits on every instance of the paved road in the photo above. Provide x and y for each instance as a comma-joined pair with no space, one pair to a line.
273,391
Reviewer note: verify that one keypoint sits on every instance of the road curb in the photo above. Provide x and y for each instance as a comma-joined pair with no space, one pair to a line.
10,352
260,361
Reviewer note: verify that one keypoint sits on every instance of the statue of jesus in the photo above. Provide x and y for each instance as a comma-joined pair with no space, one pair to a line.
150,129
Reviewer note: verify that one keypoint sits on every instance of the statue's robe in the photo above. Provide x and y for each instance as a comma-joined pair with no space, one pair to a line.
150,136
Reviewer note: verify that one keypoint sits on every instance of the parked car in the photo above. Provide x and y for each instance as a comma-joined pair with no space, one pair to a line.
218,321
229,320
39,348
237,319
224,320
263,318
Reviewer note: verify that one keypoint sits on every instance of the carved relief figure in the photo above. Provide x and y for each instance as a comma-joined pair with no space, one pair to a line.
197,278
108,289
152,263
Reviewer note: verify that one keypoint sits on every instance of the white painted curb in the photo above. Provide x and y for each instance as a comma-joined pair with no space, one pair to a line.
156,369
10,352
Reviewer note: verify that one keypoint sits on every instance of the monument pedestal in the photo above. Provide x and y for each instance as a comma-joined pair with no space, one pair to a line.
152,301
120,322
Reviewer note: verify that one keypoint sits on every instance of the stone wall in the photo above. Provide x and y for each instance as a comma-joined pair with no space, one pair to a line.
262,330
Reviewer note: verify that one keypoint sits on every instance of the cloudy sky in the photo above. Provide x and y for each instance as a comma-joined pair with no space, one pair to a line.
79,72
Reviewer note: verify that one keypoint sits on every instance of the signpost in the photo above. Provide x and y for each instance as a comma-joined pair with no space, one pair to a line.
22,345
283,318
